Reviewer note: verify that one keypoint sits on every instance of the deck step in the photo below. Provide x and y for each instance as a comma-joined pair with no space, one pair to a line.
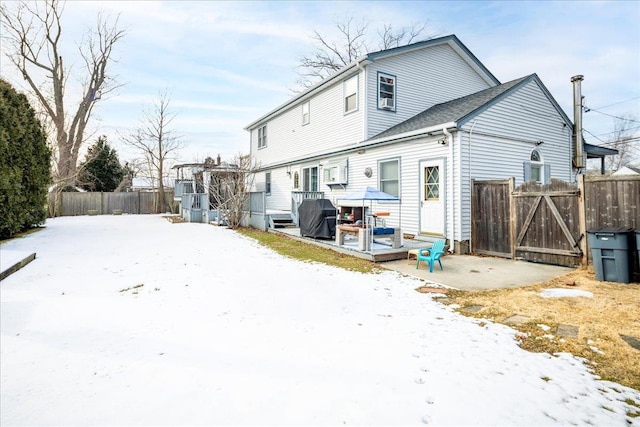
282,221
279,223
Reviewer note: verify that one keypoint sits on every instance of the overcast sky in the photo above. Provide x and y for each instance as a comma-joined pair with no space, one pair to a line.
227,63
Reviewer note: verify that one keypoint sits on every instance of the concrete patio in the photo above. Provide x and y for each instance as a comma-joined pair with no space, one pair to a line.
465,272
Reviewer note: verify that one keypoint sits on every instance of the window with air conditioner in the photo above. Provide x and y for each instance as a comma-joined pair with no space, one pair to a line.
335,173
386,92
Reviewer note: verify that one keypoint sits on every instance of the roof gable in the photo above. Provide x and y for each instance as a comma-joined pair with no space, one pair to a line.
452,111
452,40
365,60
461,110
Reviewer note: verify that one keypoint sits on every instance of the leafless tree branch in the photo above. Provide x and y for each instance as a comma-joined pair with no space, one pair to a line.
33,32
331,55
157,142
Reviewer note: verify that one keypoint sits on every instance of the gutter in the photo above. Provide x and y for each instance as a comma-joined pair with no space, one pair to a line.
430,131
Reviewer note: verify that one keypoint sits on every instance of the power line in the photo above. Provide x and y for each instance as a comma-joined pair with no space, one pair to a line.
615,131
593,135
624,141
619,102
586,110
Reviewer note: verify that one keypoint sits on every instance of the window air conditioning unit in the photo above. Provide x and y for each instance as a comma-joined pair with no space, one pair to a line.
386,103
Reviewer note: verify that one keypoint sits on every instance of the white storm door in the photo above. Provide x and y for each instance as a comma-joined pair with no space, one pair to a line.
432,205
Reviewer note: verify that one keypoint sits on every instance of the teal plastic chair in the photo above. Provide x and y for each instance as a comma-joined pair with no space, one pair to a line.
431,255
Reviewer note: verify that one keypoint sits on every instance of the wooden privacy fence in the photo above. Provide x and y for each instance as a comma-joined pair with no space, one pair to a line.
100,203
549,223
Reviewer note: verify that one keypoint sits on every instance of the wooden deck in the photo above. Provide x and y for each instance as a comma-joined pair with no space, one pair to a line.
379,252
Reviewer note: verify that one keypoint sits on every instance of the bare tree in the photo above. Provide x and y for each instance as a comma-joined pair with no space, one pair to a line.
332,54
625,141
33,32
390,38
157,143
229,187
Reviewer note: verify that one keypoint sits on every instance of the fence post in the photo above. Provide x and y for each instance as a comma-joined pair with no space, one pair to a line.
472,212
582,221
512,217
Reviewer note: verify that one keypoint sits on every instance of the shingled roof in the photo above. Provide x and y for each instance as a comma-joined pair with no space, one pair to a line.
452,111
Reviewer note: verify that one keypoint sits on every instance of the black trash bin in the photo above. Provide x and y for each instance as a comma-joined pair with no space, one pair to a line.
612,249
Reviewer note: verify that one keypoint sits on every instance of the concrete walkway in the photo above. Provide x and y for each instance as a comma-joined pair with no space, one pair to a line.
473,273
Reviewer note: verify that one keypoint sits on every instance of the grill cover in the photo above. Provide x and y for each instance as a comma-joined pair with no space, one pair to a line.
317,218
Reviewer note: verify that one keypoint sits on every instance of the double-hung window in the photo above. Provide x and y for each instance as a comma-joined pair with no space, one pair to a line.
305,113
389,176
351,94
267,183
386,92
262,136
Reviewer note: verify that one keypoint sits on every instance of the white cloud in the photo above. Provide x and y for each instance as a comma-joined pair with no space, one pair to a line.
227,63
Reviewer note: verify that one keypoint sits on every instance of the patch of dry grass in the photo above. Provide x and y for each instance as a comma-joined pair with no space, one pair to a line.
307,252
614,310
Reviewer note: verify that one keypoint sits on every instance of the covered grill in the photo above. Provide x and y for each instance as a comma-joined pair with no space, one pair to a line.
317,218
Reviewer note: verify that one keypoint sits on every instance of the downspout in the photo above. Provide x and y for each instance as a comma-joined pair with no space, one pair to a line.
365,114
453,196
470,178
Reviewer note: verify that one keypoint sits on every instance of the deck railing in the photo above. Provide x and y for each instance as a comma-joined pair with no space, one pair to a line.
182,186
296,199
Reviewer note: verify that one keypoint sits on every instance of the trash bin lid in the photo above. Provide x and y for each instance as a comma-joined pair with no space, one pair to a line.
610,230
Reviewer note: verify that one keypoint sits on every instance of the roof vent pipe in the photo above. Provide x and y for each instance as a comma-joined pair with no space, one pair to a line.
578,149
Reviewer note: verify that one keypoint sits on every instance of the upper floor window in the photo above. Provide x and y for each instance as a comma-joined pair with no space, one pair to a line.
305,113
389,176
262,136
386,92
351,94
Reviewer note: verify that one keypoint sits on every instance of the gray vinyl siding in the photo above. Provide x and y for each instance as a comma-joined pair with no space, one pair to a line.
281,187
505,134
410,154
329,127
496,143
423,78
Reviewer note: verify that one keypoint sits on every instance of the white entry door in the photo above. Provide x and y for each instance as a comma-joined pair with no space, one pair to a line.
432,208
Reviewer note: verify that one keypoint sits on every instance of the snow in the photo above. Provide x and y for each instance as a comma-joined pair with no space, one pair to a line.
132,320
565,293
10,258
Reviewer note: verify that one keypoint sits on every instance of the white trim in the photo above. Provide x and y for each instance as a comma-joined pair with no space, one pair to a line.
414,133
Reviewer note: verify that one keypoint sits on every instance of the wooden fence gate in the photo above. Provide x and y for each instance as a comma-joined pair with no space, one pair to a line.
548,223
539,223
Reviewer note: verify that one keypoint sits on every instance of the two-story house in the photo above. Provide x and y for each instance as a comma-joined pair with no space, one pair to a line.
418,122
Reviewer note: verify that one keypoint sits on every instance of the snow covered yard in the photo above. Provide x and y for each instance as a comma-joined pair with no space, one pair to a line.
132,320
